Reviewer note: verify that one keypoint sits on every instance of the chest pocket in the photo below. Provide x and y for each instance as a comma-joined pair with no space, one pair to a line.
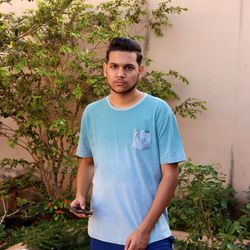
141,139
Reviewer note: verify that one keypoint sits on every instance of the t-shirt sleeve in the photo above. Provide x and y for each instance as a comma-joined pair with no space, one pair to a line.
83,148
169,140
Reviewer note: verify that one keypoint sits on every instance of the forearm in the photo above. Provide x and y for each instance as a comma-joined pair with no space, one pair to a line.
84,177
163,196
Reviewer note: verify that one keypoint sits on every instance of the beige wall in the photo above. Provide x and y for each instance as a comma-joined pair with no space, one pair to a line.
17,6
210,45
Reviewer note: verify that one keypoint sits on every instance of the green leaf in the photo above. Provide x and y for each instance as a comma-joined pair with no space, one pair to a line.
21,201
12,142
77,92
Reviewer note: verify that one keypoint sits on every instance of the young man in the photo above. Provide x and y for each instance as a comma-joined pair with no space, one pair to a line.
130,148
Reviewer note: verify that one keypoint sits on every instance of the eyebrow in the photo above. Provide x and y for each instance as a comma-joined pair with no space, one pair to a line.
125,65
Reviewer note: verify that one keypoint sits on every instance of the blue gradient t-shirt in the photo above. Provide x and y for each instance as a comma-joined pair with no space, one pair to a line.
127,146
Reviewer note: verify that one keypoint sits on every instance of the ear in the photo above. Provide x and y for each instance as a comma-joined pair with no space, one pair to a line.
141,70
104,65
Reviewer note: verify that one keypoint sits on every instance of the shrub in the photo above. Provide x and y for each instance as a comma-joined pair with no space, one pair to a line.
49,235
58,208
202,207
57,235
51,68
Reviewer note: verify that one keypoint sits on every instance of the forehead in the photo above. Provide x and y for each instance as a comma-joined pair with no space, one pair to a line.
122,57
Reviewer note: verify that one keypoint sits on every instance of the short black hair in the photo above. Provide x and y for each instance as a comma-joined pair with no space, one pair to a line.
125,44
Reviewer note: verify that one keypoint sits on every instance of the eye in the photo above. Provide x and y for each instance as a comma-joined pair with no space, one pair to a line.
129,67
113,66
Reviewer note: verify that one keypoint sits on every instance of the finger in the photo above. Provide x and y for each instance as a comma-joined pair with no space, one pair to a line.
82,205
127,244
83,216
80,215
76,203
73,203
132,247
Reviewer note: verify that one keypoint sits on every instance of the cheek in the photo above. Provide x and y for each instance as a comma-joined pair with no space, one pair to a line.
134,77
109,77
110,73
107,74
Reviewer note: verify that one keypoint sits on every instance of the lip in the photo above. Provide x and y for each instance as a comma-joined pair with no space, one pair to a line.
120,82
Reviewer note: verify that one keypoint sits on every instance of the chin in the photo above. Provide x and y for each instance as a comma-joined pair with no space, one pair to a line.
123,91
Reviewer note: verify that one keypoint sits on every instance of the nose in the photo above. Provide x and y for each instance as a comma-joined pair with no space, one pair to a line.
120,73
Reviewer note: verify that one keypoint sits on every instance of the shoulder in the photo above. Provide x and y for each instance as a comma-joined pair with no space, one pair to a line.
93,108
159,105
97,105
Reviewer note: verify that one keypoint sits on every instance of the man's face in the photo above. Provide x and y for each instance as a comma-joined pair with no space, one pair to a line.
122,71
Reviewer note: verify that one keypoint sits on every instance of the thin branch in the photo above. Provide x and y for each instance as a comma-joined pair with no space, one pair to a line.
6,127
62,179
6,212
20,145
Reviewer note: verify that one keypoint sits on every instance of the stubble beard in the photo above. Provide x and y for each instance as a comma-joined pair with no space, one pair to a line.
126,91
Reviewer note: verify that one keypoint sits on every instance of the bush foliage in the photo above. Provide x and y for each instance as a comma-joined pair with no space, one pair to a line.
49,235
57,236
202,208
51,68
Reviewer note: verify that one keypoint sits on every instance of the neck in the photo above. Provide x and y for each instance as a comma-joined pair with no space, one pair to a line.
125,100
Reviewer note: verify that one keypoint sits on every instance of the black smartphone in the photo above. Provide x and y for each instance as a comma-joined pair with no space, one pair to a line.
80,211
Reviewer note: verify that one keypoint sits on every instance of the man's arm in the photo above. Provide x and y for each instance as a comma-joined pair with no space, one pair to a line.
139,238
83,183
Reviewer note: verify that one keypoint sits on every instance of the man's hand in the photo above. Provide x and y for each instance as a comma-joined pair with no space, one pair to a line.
85,175
138,240
79,202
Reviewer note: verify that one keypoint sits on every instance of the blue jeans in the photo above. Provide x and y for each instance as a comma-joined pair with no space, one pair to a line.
165,244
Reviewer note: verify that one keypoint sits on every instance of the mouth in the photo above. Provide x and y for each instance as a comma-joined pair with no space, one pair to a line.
120,82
